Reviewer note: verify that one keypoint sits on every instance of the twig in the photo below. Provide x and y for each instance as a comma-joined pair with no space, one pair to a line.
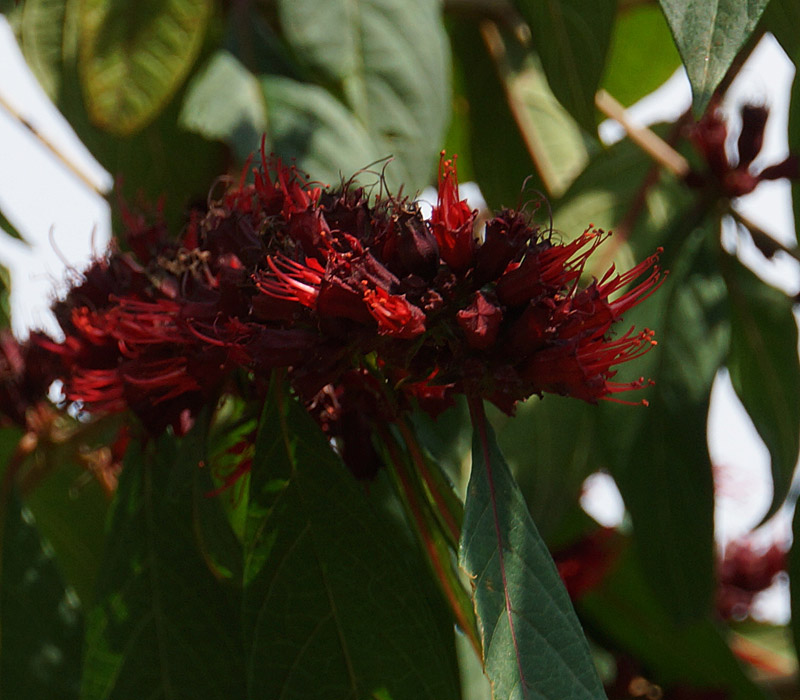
650,142
762,240
50,146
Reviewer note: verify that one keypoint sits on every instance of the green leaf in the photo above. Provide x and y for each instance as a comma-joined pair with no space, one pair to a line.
659,455
556,144
572,38
162,624
793,569
9,228
642,54
70,510
487,125
780,18
388,63
335,605
224,102
41,38
533,643
765,369
42,624
625,612
134,55
5,298
308,124
708,36
550,447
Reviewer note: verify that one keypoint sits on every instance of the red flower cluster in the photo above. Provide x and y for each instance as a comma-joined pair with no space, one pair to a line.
340,288
744,572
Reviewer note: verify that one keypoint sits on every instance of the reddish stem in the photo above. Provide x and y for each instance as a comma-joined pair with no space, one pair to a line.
416,510
433,487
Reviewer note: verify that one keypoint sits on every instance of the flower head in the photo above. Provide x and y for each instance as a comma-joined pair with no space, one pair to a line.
367,305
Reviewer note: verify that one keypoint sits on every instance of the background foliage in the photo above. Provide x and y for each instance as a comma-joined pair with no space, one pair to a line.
162,591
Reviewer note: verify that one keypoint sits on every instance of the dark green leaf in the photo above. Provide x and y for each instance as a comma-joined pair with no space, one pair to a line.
793,569
9,228
41,38
70,509
572,39
42,630
659,455
499,158
764,368
624,610
387,62
708,36
550,446
162,624
134,55
642,54
335,606
533,643
554,141
781,17
5,294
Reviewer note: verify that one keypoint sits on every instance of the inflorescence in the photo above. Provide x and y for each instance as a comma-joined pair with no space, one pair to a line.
357,298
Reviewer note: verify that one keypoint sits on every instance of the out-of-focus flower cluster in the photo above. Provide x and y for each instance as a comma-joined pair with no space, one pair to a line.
743,572
358,297
735,173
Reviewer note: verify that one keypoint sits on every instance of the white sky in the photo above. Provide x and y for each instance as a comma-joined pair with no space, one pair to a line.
48,204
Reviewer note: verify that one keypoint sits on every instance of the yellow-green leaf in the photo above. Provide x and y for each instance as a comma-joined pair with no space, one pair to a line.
135,55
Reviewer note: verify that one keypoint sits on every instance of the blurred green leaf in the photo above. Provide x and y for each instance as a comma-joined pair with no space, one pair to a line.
5,298
42,624
642,54
764,368
554,141
658,455
308,124
9,228
70,510
162,624
334,604
498,156
572,38
41,38
793,569
550,446
781,18
708,36
532,640
134,55
624,611
224,102
388,63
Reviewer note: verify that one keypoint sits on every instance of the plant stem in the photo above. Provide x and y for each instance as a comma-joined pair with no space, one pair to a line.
438,554
50,146
444,505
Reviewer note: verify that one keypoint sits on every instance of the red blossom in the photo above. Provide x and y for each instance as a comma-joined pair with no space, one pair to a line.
452,220
330,285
